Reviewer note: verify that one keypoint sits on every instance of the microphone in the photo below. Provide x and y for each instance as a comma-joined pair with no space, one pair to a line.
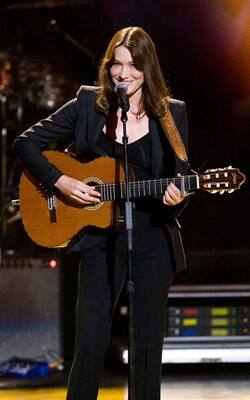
121,91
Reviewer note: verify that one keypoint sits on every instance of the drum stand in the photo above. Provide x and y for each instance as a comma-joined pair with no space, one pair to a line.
3,100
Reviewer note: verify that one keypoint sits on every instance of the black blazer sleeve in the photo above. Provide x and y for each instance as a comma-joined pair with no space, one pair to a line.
30,144
179,112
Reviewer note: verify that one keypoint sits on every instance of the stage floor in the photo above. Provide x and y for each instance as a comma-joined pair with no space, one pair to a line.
211,391
197,383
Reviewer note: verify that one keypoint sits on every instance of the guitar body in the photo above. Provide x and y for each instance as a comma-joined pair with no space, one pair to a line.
52,220
56,228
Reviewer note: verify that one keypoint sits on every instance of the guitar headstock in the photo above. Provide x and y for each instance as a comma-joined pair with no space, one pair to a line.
221,180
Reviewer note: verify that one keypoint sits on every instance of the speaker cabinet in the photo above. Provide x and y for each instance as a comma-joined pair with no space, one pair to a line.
30,308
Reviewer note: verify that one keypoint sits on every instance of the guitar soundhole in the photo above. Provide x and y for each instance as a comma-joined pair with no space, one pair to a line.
93,181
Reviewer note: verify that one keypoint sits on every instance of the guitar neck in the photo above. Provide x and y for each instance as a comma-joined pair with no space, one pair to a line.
154,187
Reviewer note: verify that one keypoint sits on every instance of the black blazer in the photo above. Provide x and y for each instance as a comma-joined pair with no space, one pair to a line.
79,121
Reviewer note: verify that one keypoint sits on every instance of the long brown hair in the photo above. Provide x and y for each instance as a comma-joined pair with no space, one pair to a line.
142,49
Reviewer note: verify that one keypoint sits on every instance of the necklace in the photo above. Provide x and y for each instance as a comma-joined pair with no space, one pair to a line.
136,114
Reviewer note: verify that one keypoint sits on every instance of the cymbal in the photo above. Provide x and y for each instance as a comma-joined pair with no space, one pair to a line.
48,4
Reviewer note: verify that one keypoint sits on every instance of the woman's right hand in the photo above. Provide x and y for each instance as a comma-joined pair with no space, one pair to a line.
77,190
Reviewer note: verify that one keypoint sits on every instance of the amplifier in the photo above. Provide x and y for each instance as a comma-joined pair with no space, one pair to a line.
30,312
45,261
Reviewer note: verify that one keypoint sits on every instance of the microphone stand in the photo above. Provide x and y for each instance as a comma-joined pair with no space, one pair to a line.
130,283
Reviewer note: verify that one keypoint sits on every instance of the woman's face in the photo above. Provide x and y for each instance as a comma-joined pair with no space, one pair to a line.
124,70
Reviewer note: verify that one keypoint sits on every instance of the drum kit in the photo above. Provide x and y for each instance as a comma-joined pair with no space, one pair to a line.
29,87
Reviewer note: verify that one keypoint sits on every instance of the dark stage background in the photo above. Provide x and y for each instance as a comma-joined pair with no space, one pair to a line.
204,48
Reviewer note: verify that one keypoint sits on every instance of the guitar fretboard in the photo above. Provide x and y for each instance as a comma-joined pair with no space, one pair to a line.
154,187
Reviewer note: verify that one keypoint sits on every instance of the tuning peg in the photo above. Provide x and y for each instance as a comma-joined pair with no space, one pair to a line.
214,191
222,191
231,191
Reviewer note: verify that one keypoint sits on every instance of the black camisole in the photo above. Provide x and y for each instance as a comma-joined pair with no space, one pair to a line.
146,211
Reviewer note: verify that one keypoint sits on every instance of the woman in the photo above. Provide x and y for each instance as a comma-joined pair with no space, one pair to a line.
92,120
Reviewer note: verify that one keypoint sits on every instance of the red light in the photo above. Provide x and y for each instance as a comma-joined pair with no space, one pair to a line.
52,263
190,311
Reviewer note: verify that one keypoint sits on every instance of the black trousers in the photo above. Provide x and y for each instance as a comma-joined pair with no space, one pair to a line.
102,275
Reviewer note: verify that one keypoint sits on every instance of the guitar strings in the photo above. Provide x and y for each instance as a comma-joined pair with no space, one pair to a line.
112,191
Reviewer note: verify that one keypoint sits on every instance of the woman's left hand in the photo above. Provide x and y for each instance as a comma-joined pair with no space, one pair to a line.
173,195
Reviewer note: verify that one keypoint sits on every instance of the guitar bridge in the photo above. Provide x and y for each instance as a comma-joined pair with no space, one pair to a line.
52,208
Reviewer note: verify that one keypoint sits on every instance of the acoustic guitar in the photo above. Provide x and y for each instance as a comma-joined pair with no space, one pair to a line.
52,220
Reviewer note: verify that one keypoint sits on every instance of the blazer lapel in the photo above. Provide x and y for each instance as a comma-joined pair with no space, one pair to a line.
95,126
156,149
